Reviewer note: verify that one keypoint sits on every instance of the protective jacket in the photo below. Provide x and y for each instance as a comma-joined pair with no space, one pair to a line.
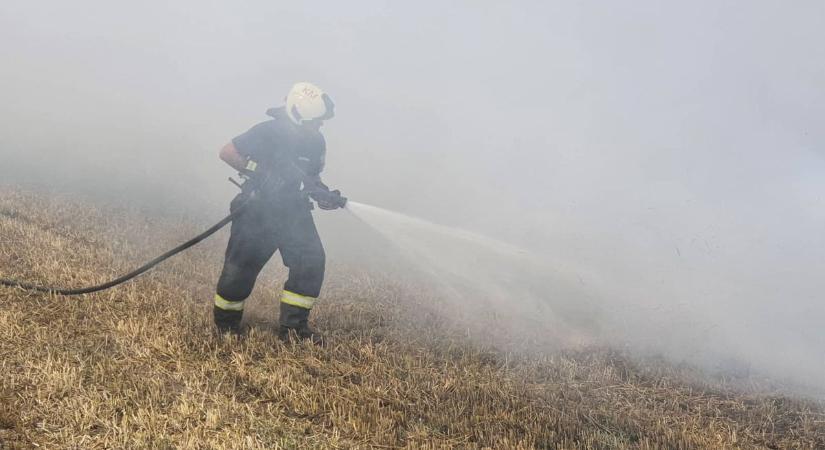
281,157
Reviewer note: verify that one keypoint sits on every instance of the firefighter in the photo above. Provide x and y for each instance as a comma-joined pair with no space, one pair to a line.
281,160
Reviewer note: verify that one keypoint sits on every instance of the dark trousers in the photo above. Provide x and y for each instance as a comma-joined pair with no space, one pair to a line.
262,229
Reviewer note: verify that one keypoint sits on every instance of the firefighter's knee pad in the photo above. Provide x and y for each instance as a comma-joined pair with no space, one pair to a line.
313,265
236,282
306,275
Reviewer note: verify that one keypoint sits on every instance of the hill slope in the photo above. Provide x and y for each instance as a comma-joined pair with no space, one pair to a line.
139,367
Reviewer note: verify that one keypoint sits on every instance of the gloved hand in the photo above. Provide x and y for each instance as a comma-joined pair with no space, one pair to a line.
256,179
323,196
328,200
251,178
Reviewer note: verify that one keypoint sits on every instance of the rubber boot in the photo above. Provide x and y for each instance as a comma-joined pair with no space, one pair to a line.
228,321
295,325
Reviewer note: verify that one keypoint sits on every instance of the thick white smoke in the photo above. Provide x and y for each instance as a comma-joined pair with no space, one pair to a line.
670,156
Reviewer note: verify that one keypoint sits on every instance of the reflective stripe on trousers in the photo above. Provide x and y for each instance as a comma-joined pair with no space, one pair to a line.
301,301
228,305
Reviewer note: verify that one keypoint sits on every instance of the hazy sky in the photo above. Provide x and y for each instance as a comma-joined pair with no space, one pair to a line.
673,148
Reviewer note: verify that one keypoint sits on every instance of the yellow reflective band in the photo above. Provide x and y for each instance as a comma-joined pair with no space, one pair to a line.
227,305
251,165
301,301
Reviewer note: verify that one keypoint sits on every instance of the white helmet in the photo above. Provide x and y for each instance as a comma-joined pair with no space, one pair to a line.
306,102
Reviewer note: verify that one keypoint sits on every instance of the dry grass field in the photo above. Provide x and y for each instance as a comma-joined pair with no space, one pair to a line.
139,366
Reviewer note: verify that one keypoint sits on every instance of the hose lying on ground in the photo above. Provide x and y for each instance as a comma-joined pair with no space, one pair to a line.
124,278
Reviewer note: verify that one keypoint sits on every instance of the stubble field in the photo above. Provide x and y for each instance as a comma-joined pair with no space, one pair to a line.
139,366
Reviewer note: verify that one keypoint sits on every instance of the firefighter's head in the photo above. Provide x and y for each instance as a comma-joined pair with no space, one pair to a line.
308,106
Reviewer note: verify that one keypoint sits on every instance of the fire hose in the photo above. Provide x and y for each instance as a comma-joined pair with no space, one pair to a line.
128,276
146,267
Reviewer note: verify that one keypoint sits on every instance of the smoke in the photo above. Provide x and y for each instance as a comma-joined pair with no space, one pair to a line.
668,157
